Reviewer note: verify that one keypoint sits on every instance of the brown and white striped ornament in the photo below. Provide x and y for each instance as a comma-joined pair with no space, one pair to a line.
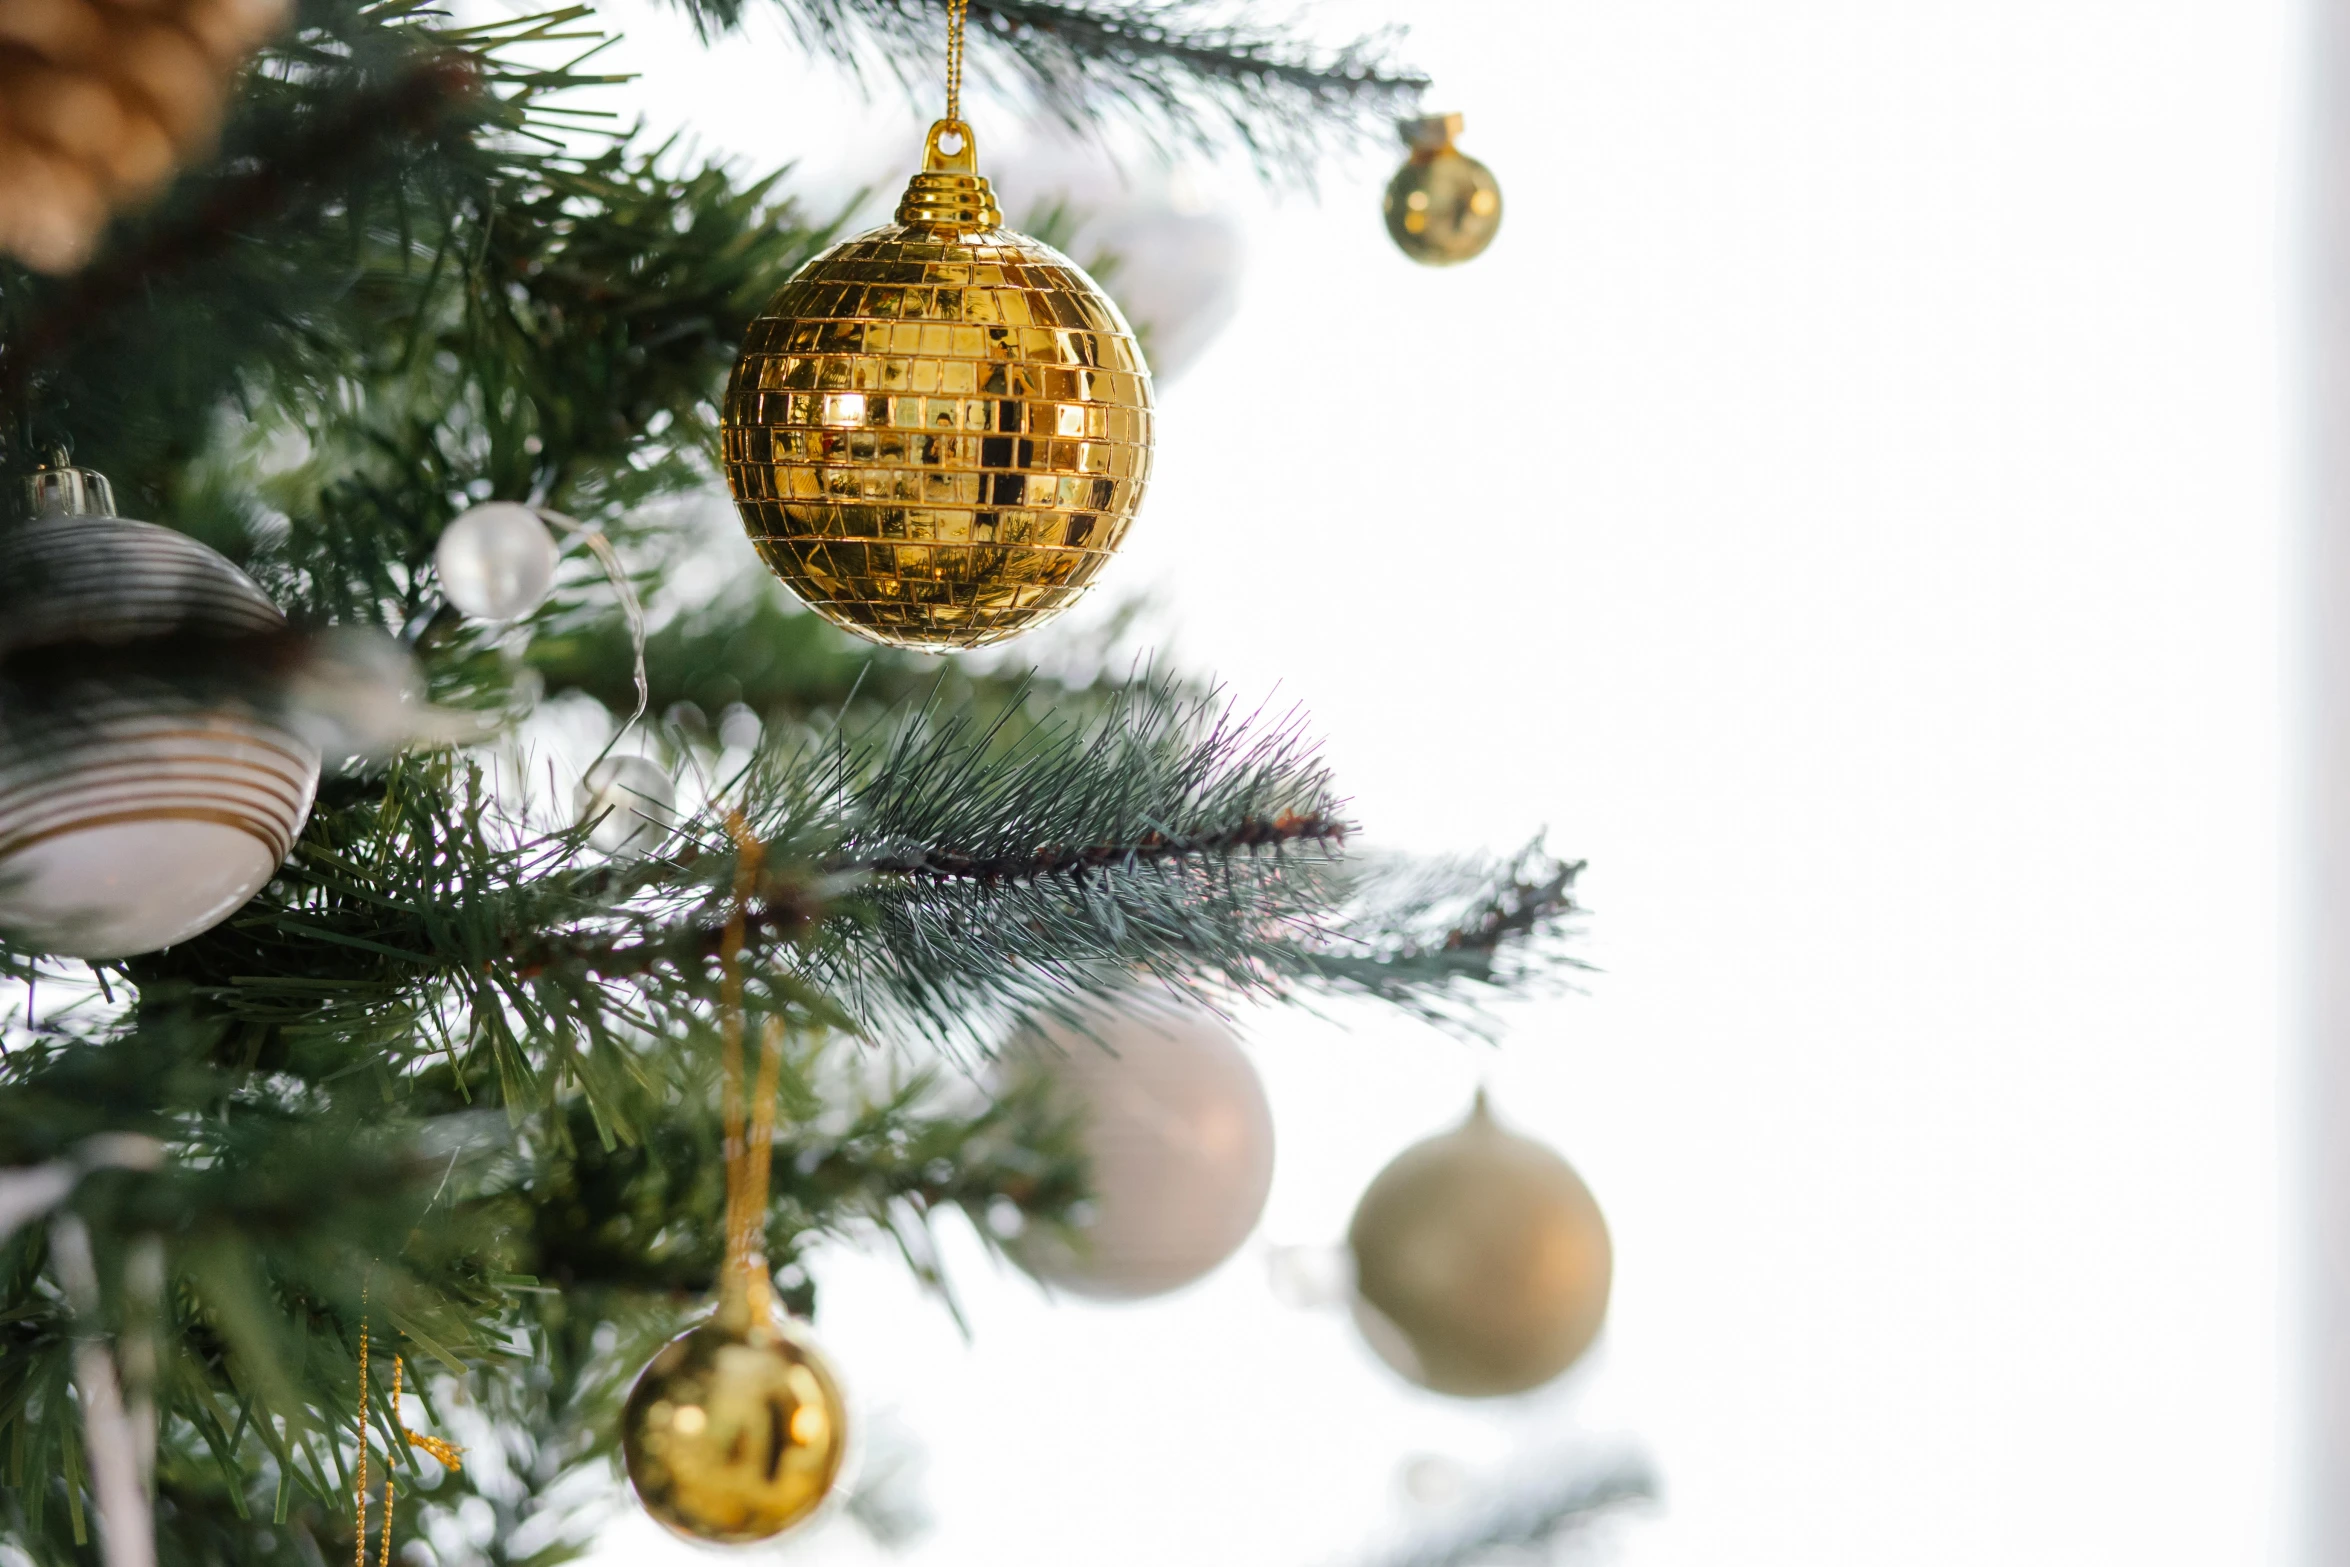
144,817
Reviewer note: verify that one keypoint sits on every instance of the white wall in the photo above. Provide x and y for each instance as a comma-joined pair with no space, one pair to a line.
1848,505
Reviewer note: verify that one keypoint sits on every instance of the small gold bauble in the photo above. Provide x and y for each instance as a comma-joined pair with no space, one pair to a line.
1443,207
736,1431
938,432
1481,1262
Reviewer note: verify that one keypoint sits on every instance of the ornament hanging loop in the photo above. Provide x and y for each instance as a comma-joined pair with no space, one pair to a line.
951,149
1430,135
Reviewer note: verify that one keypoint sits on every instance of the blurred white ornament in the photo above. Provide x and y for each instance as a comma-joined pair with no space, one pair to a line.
1310,1278
1165,253
133,816
632,802
1482,1265
888,1498
497,561
739,729
1177,278
1433,1480
1180,1140
358,692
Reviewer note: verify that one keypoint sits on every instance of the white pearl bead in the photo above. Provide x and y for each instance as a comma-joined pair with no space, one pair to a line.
497,561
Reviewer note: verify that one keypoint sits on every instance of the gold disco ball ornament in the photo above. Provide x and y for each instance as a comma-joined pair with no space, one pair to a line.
939,431
1482,1264
737,1430
1443,207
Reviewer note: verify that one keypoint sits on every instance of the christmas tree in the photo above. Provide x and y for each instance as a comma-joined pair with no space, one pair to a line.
452,1084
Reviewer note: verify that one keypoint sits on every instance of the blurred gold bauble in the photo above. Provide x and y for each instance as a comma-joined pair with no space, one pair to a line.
939,431
1481,1262
1442,207
737,1430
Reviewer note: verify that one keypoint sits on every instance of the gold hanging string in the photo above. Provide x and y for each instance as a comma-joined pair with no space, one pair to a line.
955,10
751,1243
385,1560
447,1452
749,1149
359,1545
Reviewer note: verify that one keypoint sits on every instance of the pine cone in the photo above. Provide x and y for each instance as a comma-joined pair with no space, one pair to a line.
100,100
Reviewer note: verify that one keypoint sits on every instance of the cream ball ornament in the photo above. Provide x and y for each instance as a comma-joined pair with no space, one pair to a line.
1482,1264
1179,1140
497,561
132,817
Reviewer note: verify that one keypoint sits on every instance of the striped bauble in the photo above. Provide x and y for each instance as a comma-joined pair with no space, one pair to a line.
132,816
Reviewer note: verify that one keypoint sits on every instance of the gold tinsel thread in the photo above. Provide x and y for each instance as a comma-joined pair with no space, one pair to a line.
447,1452
100,100
939,432
1443,207
738,1430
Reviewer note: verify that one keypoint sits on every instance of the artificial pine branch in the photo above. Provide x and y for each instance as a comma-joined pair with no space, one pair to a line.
1429,936
246,266
936,879
1151,848
751,645
1180,70
552,1231
1532,1519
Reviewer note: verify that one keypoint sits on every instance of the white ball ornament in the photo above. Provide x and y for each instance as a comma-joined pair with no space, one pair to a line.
132,818
1175,1127
1482,1264
632,802
497,561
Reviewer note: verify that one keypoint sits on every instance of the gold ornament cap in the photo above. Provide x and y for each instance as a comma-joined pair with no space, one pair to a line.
1430,134
950,194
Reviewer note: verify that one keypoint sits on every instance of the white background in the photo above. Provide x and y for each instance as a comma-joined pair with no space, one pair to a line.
1846,505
